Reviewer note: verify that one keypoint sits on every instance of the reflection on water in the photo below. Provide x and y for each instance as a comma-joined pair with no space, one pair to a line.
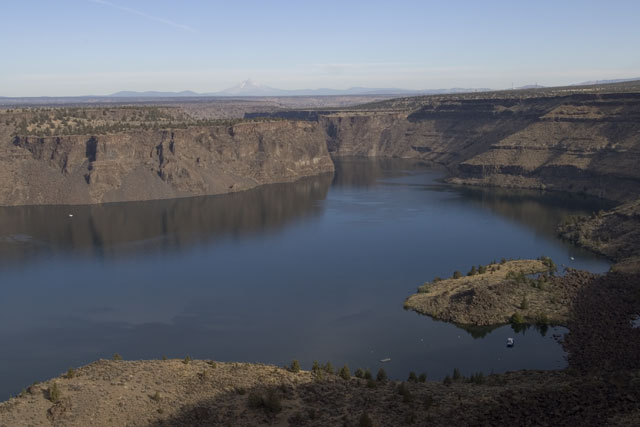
313,270
119,228
541,210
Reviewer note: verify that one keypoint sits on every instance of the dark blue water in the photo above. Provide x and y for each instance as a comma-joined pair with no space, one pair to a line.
317,269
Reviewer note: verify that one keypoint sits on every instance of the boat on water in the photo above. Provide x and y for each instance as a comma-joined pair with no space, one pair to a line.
509,342
386,359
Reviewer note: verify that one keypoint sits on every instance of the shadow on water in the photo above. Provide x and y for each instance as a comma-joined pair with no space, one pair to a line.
541,210
122,228
356,172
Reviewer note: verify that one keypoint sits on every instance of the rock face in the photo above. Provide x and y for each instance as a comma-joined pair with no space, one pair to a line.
614,234
580,143
158,164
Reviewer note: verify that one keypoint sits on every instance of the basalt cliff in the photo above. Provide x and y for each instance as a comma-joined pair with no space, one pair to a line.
587,143
578,140
158,164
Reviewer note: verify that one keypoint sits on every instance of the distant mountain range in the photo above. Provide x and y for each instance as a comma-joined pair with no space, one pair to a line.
604,82
251,88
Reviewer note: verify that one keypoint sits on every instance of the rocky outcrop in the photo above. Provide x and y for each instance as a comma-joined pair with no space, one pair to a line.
497,294
158,164
614,234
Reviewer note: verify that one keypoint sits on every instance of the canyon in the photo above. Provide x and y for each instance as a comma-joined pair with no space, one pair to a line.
581,141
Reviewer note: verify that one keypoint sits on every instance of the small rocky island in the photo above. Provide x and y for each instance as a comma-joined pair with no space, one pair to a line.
517,291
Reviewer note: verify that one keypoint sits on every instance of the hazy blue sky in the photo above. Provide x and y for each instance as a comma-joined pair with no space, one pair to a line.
77,47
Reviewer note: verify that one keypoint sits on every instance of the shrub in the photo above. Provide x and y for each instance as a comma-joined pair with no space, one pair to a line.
473,271
436,279
482,269
542,319
365,420
457,274
186,360
371,384
413,378
447,380
164,357
422,378
477,378
382,375
316,370
116,356
456,374
269,402
359,373
328,368
70,373
503,261
295,366
404,391
155,397
524,304
367,375
53,393
549,263
517,319
344,373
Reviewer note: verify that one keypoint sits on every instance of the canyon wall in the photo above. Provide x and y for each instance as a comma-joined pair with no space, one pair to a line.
580,143
158,164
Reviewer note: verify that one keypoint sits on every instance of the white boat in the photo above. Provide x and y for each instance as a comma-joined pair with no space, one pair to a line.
509,342
386,359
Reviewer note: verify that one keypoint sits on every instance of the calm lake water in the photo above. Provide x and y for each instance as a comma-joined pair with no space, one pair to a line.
317,269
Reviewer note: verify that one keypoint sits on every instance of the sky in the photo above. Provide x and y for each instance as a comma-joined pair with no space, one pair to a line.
97,47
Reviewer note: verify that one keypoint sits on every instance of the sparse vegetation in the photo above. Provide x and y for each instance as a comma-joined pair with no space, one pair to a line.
382,375
70,373
422,378
317,371
328,368
456,374
268,401
359,373
457,274
404,391
477,378
186,360
413,378
116,356
295,366
517,319
344,373
53,393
